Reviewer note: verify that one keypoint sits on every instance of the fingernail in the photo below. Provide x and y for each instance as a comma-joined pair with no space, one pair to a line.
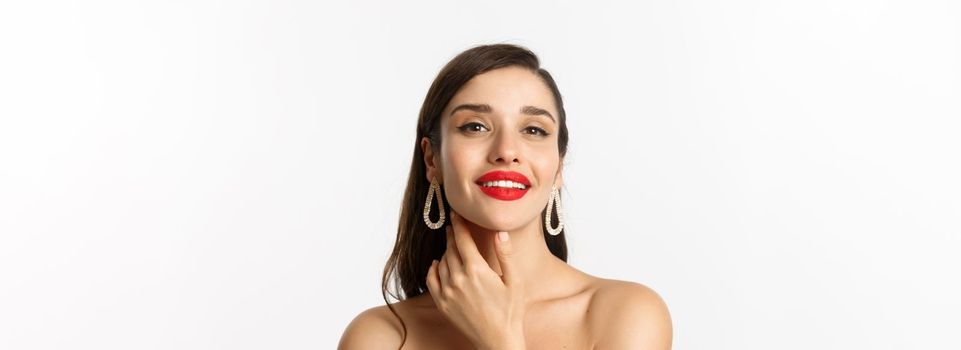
503,236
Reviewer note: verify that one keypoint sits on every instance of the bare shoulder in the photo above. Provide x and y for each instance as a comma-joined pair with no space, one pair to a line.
629,315
374,328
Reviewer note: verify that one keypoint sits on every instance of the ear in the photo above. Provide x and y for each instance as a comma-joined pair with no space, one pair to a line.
430,161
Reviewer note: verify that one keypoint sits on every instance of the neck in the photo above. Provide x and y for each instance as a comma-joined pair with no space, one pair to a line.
532,259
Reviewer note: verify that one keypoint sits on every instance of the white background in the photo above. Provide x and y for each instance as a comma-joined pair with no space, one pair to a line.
228,175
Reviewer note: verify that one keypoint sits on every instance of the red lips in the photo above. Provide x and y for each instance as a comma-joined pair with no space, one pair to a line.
504,193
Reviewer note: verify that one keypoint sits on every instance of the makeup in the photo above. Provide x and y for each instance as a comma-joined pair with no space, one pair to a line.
504,185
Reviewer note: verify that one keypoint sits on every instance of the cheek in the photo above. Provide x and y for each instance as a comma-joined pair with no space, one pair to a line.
460,164
546,165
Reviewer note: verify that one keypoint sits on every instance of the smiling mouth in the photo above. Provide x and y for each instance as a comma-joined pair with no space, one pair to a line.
504,193
504,185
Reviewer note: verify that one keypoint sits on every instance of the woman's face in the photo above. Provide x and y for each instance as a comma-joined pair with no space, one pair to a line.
501,120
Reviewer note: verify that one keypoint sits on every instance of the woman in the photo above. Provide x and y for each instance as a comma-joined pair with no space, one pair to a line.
485,266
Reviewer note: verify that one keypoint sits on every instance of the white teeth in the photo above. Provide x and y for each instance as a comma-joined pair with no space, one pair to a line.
505,183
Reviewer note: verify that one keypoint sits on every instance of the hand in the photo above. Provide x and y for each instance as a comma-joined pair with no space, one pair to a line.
486,307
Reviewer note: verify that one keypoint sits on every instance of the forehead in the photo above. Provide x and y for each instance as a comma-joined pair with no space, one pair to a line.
506,90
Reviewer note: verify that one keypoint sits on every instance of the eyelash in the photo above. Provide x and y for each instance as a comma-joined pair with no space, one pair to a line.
468,125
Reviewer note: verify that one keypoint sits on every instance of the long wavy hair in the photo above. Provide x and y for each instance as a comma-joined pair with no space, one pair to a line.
416,246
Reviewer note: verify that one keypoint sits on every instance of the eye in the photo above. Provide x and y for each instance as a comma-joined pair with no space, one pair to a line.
471,127
537,130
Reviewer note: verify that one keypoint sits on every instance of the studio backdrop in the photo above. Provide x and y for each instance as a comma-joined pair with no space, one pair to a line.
228,175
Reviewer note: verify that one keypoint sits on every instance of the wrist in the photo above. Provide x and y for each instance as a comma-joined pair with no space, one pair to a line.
515,342
512,345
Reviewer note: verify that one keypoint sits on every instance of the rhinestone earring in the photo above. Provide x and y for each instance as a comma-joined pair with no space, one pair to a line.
434,187
555,198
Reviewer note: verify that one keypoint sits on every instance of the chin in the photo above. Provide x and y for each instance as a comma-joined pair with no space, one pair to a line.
498,222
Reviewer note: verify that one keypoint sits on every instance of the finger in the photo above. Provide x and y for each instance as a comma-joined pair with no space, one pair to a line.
466,247
454,262
433,281
443,272
505,256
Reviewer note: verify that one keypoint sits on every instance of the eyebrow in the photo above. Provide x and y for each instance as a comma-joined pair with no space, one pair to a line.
485,108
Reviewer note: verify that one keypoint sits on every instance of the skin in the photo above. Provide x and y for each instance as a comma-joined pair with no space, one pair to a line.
490,294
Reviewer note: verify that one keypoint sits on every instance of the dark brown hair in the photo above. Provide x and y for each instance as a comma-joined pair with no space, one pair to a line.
416,246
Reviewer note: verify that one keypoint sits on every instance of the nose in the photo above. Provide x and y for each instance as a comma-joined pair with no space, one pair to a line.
504,149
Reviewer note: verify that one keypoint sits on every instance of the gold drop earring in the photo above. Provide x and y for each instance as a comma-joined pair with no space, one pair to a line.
555,198
434,187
